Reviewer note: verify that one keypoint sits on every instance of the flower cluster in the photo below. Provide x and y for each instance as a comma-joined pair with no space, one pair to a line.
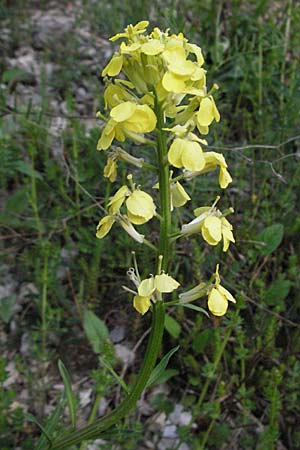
165,71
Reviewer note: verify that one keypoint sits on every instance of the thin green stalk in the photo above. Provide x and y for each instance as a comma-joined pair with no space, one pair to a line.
154,344
207,433
215,365
94,430
44,300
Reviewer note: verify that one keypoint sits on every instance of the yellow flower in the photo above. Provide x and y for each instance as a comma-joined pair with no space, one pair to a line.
214,229
127,119
131,31
149,287
161,283
218,297
212,225
140,207
212,160
179,197
186,153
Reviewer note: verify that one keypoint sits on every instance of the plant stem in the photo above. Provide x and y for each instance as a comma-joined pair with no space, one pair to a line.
154,344
215,365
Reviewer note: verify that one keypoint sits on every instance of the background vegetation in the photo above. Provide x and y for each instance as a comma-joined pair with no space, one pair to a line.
235,382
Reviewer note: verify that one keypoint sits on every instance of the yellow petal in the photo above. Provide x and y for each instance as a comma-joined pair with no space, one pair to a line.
179,195
122,112
114,95
146,288
215,110
226,293
211,230
192,156
173,83
217,303
107,136
129,48
226,233
165,283
205,115
224,178
143,120
193,48
175,152
136,219
152,47
141,304
104,226
117,200
140,204
183,68
114,66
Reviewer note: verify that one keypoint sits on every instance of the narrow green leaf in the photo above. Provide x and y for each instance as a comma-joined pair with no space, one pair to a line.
50,426
165,376
172,326
96,331
194,307
31,418
161,366
109,367
71,400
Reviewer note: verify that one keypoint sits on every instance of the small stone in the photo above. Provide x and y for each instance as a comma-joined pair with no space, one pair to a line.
124,354
117,334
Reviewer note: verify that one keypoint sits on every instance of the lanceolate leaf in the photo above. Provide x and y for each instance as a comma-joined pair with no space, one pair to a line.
69,392
160,368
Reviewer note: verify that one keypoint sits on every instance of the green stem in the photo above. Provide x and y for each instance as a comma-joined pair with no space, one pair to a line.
154,344
215,366
95,429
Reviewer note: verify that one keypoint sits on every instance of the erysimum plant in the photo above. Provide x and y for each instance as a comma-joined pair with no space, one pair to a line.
156,94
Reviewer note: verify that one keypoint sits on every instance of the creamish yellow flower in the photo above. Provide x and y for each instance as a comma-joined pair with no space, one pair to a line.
214,229
162,283
140,207
212,225
131,31
186,153
213,160
127,119
150,287
218,297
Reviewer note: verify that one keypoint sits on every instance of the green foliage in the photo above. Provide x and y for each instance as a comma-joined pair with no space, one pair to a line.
252,383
